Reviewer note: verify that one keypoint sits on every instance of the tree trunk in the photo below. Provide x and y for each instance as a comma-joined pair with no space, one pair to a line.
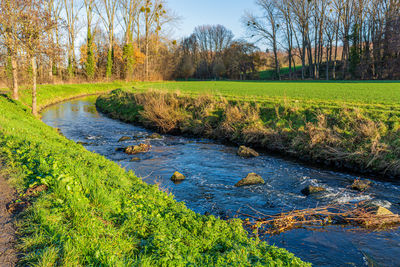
51,71
14,67
34,73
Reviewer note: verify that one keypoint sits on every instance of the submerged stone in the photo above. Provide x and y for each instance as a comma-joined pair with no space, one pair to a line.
142,148
177,176
247,152
82,143
309,190
361,185
155,136
251,179
124,138
376,209
135,159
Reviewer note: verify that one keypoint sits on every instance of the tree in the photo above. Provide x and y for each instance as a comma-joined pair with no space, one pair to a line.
72,11
266,28
90,66
211,41
10,11
109,9
187,69
129,13
36,23
152,12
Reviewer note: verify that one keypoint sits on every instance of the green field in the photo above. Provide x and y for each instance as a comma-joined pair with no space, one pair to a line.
383,93
94,213
270,74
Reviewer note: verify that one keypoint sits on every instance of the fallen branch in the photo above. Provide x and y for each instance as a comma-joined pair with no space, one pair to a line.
361,215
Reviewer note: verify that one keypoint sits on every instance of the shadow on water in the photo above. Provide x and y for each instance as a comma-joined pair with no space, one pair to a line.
212,170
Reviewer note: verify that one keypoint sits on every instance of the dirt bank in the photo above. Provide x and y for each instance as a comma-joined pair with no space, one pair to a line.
8,255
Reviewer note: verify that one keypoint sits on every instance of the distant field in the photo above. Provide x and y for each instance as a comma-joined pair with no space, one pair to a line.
383,93
270,74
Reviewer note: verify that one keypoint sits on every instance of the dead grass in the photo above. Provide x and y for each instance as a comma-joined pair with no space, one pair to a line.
160,110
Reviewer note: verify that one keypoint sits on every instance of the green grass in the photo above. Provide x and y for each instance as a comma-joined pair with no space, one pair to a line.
97,214
383,93
270,74
49,94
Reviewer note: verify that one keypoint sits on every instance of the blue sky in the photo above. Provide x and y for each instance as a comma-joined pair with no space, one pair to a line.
200,12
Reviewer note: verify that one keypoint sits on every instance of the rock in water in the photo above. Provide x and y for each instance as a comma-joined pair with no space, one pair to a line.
155,136
381,211
376,209
133,150
247,152
251,179
82,143
124,138
135,159
309,190
177,176
361,185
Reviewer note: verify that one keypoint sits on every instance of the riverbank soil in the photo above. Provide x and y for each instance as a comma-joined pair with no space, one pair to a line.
8,255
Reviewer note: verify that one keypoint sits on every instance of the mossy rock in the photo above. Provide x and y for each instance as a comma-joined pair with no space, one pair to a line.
361,185
135,159
155,136
309,190
82,143
133,150
251,179
124,138
177,177
247,152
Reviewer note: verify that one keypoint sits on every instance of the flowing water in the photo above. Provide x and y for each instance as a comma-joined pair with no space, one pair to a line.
212,169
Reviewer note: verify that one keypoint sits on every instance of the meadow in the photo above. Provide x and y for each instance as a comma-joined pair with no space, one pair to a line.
94,213
357,92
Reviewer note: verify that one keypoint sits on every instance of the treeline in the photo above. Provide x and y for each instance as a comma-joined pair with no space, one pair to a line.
73,40
334,39
212,53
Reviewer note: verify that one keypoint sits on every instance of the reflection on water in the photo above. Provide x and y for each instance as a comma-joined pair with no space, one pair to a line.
212,170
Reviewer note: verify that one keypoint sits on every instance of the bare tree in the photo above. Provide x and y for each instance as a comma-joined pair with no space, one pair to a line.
10,12
266,27
36,24
72,11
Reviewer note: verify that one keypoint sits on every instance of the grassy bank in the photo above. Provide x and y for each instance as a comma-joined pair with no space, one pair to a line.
49,94
362,137
94,213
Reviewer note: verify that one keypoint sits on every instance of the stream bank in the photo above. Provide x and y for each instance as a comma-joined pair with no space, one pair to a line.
211,171
340,137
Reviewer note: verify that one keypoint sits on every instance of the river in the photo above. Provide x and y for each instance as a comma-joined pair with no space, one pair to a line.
212,169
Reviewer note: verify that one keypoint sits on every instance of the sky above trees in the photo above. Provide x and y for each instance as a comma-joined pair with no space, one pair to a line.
225,12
